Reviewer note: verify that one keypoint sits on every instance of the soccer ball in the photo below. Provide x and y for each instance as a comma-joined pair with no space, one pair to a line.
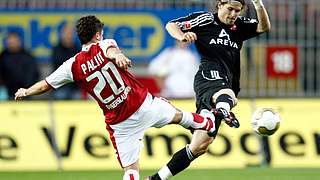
265,121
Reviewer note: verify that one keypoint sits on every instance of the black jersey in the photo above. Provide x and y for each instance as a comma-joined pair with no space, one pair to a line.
217,42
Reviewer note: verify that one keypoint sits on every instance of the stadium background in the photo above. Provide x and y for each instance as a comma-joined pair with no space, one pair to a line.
280,69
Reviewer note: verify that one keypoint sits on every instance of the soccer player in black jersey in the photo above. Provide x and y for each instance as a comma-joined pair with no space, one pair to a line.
218,38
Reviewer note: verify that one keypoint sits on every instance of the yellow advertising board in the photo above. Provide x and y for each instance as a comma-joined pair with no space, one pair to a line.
139,34
29,130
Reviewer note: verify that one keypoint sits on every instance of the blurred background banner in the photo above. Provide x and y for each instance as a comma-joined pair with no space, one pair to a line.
27,134
139,33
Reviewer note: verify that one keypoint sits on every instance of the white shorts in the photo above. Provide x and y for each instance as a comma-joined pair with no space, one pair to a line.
127,135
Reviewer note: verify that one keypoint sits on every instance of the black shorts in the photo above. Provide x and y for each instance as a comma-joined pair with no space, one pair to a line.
210,78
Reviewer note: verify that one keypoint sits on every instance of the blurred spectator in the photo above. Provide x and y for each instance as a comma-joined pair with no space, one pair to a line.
65,49
174,69
3,92
18,68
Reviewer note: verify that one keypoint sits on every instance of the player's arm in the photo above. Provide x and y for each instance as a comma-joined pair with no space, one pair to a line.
38,88
58,78
262,15
120,59
175,31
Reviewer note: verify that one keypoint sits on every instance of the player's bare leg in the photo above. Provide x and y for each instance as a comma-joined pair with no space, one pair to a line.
131,172
201,140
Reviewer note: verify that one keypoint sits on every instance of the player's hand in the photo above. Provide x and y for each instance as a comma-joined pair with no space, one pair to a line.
20,94
257,3
122,61
189,37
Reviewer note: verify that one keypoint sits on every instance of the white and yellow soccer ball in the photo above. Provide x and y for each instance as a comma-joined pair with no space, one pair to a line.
265,121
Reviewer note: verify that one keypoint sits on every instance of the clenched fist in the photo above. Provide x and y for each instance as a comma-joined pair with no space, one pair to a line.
257,3
20,93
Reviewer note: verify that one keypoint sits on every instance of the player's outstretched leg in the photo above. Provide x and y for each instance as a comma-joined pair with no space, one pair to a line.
182,159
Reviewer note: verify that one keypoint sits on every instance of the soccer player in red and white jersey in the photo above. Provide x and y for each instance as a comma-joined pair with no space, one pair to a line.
101,70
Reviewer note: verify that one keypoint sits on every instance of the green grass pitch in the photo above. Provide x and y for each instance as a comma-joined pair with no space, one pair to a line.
213,174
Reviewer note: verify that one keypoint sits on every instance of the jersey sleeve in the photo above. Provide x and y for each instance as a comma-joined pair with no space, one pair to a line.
108,43
62,75
248,27
194,20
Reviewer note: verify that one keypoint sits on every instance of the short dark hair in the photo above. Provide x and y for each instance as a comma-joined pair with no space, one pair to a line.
226,1
87,27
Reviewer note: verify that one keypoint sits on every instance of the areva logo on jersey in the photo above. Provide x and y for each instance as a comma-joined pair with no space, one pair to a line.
224,39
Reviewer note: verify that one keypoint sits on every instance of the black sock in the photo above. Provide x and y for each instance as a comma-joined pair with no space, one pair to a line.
155,177
180,161
226,98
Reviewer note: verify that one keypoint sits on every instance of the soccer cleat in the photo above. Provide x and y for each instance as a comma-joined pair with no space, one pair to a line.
207,121
228,117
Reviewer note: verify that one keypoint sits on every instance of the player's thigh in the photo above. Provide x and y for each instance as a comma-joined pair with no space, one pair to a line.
127,144
161,112
127,135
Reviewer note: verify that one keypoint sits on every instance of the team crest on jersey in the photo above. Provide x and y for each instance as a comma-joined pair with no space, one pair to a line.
186,25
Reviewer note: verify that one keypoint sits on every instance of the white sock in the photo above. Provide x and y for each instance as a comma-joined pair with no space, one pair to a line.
131,174
223,105
164,173
187,119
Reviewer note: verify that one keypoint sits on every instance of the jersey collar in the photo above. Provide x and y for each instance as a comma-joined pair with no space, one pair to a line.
86,47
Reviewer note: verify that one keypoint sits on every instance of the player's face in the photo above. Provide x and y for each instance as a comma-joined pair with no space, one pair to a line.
13,42
228,13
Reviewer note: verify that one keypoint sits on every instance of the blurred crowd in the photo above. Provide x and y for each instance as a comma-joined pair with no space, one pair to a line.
19,68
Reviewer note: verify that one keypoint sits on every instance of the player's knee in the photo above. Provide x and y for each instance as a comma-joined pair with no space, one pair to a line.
131,174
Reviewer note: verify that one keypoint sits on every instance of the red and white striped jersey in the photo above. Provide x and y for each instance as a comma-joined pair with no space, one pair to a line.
117,92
